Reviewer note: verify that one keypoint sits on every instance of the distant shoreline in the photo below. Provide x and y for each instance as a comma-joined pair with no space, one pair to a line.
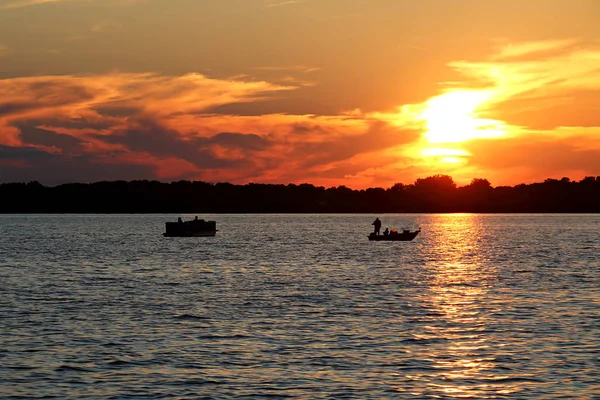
433,195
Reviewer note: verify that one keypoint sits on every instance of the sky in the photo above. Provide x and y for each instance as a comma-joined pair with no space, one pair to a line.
360,93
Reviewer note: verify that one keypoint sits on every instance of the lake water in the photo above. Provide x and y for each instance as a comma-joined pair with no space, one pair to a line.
300,306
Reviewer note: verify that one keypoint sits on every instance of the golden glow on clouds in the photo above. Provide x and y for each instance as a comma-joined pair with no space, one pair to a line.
538,70
521,99
452,160
438,152
538,85
446,155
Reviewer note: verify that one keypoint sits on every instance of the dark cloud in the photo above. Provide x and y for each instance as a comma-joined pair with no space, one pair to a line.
77,170
15,107
25,153
160,143
151,137
239,141
60,91
290,105
300,128
36,136
52,169
117,110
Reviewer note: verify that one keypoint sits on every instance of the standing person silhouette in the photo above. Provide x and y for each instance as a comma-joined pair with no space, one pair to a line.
377,225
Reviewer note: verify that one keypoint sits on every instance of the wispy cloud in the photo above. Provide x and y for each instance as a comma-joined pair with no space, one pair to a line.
289,68
279,3
14,4
103,26
507,51
540,77
25,3
533,76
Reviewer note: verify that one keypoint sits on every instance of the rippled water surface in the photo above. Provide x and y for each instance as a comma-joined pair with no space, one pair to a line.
300,306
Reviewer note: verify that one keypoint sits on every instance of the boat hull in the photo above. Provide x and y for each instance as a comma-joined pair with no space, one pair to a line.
192,234
405,236
196,228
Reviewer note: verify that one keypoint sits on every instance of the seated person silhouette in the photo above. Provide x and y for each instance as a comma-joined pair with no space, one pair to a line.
386,232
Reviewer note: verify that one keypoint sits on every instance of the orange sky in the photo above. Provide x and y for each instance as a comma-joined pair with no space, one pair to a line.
330,92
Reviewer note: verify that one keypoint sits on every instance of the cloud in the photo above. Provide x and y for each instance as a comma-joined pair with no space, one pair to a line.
291,68
533,50
167,125
148,136
281,3
83,96
24,164
549,76
14,4
532,100
103,26
542,98
26,3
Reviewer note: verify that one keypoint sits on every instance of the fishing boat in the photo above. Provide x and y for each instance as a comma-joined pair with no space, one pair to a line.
404,236
194,228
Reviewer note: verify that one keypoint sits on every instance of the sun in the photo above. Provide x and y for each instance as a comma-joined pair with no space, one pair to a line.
452,117
447,121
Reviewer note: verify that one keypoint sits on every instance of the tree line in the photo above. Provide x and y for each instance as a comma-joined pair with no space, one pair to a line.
434,194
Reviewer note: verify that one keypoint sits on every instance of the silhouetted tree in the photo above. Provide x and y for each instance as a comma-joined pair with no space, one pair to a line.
476,196
434,194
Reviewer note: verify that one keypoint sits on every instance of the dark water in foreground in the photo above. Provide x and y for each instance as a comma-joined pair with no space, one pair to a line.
300,306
